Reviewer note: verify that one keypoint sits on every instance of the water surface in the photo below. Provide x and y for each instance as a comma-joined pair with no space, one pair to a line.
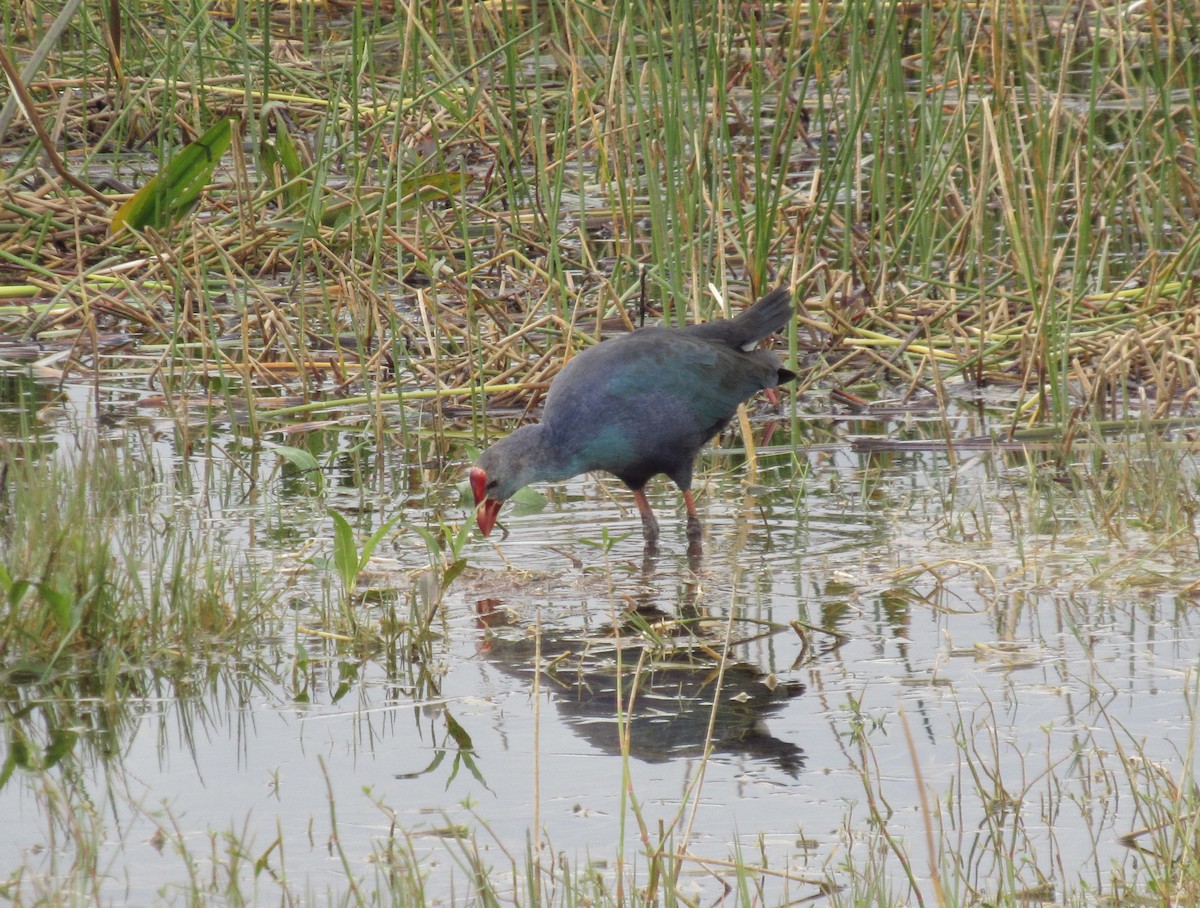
957,620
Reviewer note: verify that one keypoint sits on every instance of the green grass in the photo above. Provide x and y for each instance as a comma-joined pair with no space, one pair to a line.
427,206
1009,198
101,568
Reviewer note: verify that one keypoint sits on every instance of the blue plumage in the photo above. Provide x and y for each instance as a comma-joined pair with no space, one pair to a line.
638,405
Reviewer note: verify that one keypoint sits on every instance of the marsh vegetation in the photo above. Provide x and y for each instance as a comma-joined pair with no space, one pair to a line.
940,647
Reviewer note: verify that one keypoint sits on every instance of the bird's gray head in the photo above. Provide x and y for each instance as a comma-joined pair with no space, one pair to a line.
501,471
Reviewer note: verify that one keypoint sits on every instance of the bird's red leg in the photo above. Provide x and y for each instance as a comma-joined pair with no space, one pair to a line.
649,524
769,431
693,528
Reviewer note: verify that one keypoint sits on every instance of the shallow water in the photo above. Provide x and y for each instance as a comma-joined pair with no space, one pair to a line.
964,621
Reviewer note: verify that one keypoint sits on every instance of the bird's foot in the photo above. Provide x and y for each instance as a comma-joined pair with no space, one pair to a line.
650,529
649,524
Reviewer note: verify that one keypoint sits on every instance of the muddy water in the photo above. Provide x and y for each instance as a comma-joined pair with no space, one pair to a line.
896,617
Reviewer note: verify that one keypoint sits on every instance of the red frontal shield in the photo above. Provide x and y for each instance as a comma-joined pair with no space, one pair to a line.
478,483
487,509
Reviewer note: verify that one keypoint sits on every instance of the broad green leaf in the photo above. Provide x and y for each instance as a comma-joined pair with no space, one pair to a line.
461,537
10,763
21,753
289,155
169,194
374,539
453,571
465,496
303,462
469,761
528,501
458,733
280,150
345,553
438,757
299,458
432,543
268,156
62,742
61,606
17,592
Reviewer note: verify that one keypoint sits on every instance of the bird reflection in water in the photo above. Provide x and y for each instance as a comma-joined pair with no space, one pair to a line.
656,672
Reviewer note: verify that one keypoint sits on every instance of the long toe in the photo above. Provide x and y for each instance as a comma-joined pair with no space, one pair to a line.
649,528
649,524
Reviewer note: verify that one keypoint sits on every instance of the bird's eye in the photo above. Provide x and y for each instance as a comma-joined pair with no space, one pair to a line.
492,483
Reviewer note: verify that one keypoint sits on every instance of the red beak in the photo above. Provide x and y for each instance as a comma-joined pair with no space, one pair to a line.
487,509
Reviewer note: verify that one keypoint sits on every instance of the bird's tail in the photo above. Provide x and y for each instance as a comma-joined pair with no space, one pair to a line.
751,325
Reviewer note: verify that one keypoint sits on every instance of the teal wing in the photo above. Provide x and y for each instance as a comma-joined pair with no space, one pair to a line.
649,400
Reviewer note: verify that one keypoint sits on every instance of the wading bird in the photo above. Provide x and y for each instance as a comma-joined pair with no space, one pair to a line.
638,405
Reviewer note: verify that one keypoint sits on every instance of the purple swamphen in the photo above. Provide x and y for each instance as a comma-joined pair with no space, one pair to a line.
638,405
